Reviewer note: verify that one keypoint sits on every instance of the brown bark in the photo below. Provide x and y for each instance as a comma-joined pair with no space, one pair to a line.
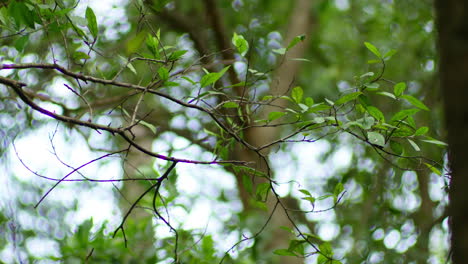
453,43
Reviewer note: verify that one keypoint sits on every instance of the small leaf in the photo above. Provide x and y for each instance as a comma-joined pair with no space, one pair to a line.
348,97
421,131
337,191
376,138
387,94
318,107
306,192
414,101
372,85
433,169
297,94
176,55
309,101
376,113
230,105
413,144
240,43
211,78
275,115
92,22
295,40
262,191
163,73
149,126
247,182
367,74
373,61
373,49
80,55
403,114
21,43
319,120
389,54
280,51
399,88
396,147
436,142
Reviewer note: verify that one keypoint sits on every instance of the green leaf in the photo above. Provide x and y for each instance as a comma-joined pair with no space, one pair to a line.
230,105
275,115
412,100
247,182
421,131
152,43
306,192
80,55
297,94
92,22
347,97
21,14
403,114
389,54
309,101
337,191
366,75
318,107
372,85
21,42
396,147
373,49
433,169
295,40
280,51
262,191
387,94
413,144
176,55
376,113
399,88
149,126
240,43
163,73
435,142
211,78
404,130
376,138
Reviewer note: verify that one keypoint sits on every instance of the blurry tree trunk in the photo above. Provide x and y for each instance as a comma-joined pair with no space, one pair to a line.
453,47
300,23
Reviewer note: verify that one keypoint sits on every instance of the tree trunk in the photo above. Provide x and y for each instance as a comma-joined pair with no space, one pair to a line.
453,43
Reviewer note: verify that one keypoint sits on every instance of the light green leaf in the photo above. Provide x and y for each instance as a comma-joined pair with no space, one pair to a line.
295,40
372,85
414,101
403,114
413,144
240,43
319,120
247,182
309,101
387,94
149,126
163,73
389,54
376,138
318,107
80,55
211,78
373,49
176,55
436,142
275,115
367,74
421,131
373,61
297,94
262,190
230,105
433,169
152,43
399,88
376,113
280,51
92,22
337,191
347,97
306,192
